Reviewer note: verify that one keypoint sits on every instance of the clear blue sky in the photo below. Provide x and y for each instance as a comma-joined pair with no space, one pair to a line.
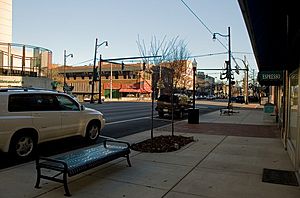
73,25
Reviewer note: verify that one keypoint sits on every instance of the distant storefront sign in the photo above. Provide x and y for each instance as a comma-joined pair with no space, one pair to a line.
270,78
10,81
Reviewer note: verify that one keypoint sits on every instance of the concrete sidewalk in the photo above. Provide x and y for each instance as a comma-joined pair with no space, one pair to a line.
218,164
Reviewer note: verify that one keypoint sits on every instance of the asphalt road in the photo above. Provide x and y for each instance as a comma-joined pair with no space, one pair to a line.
122,118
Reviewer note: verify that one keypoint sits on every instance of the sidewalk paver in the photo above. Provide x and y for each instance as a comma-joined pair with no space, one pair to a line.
226,160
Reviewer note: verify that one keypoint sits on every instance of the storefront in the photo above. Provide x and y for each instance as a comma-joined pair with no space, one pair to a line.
273,28
293,132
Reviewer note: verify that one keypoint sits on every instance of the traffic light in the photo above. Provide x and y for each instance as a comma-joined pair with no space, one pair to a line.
123,66
144,66
95,74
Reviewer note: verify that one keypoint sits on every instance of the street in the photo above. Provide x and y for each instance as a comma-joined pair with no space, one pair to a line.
122,118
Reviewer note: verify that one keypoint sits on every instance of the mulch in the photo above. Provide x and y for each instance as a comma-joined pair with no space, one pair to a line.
162,143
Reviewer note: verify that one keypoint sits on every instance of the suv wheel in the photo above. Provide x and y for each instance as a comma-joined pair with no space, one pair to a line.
92,131
22,146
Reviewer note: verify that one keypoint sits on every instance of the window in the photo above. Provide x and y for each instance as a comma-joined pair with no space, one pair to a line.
67,103
46,102
32,102
293,108
21,102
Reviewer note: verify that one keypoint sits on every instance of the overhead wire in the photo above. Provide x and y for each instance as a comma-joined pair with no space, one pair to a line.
206,27
209,30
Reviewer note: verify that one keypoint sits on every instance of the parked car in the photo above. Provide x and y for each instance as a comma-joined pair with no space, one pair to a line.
240,99
88,99
30,116
181,104
210,97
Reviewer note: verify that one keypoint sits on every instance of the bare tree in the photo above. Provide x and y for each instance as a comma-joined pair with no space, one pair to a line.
173,54
170,66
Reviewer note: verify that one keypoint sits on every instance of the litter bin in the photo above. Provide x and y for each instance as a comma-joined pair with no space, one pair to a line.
193,117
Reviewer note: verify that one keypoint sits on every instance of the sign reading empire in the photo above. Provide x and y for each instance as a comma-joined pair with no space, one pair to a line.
10,81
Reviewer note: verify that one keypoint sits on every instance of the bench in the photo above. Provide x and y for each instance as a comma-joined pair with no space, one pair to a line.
77,161
228,110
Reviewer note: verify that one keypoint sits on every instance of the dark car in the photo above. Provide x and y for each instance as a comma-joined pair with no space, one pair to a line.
240,99
181,104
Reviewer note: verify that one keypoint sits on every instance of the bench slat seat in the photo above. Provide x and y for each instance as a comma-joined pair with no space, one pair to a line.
83,160
75,162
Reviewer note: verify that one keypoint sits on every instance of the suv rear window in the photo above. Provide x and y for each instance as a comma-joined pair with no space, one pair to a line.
32,102
21,102
167,98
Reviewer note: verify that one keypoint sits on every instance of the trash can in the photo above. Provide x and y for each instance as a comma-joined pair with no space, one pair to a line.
269,113
193,117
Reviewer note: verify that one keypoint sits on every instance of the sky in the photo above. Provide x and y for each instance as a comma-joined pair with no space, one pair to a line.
74,25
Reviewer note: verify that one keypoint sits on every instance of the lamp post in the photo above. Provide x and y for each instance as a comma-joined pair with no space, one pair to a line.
229,64
194,76
100,86
94,68
65,62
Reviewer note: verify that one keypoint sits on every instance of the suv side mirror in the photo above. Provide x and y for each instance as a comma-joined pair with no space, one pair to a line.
82,107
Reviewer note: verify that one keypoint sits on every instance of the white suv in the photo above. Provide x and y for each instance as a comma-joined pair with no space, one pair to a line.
32,116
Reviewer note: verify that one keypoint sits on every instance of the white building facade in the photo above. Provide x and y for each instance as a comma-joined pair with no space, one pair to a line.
6,21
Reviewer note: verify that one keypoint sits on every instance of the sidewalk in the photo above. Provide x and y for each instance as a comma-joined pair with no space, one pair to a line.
226,160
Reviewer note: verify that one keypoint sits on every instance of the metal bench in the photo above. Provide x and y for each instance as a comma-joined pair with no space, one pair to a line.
77,161
228,110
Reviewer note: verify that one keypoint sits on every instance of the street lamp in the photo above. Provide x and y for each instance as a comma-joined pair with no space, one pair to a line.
94,69
194,76
65,60
229,64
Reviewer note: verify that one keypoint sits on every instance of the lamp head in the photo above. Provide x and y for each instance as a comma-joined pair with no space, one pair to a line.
71,55
214,36
194,64
106,43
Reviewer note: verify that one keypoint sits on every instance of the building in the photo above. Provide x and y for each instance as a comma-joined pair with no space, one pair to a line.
273,28
20,64
116,82
6,21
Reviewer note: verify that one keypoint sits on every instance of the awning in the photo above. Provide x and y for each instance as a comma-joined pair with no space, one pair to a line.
128,90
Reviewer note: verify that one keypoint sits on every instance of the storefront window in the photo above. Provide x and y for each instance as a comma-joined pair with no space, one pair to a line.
293,108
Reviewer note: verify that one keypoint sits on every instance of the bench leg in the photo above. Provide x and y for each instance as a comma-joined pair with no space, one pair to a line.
128,160
38,178
67,192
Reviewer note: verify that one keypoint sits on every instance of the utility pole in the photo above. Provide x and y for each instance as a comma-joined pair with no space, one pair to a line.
100,86
228,74
94,72
247,83
229,67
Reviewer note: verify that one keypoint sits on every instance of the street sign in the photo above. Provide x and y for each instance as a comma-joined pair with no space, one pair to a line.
270,78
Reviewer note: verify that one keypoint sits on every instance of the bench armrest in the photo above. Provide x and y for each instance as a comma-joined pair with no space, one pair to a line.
51,160
116,141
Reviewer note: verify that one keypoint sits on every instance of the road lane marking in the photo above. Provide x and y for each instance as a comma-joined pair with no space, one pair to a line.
130,120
